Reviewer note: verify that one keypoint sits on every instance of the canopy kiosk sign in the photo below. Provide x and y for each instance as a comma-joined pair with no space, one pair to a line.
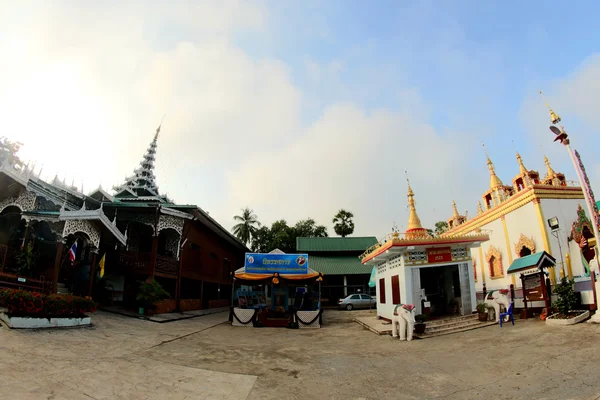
284,264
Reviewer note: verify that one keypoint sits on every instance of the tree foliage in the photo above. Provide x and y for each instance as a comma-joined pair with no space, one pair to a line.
248,223
9,150
440,227
283,237
342,223
567,299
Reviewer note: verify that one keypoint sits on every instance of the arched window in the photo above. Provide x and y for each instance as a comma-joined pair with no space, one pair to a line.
525,251
491,262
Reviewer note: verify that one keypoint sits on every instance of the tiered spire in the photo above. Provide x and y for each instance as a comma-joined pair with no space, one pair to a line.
522,169
495,182
415,229
456,215
143,181
549,171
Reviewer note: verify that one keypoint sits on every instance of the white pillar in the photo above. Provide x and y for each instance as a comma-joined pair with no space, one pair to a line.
345,286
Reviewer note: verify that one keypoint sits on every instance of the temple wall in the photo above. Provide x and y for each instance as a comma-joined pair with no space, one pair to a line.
566,212
525,220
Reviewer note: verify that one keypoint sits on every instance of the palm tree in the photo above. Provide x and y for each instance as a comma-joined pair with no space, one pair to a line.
248,223
343,224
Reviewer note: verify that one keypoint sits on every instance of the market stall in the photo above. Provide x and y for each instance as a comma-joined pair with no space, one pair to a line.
276,290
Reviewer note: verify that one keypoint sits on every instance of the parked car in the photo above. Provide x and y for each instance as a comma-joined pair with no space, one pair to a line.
357,301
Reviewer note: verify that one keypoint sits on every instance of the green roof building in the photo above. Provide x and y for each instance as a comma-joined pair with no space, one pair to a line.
337,258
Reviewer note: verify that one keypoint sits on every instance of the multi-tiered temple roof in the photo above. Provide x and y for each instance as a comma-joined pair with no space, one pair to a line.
142,184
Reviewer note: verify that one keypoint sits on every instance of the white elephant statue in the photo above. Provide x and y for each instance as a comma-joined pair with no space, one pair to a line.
403,321
494,300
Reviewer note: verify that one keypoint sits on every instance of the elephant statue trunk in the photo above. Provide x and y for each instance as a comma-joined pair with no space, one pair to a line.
403,321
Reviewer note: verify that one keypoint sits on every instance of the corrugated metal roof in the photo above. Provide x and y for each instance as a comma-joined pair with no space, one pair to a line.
338,265
335,243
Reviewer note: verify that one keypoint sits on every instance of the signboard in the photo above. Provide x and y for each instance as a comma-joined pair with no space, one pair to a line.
532,287
439,254
21,280
285,264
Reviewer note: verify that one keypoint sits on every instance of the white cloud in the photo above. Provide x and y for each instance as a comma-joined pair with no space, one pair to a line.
575,98
85,89
354,160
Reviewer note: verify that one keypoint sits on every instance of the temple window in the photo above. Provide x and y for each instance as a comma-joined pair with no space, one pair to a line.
491,265
488,201
519,184
524,251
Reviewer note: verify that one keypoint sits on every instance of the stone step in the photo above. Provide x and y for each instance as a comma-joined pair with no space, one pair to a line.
458,329
450,324
459,324
453,320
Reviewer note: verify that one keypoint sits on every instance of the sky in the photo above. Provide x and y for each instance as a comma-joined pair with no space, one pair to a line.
299,108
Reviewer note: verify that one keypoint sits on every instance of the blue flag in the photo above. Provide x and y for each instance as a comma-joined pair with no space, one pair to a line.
373,279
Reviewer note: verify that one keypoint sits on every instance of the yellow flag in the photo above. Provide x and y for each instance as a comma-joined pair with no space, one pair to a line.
101,264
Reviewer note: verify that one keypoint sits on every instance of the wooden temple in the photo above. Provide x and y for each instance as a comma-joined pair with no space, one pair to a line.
140,233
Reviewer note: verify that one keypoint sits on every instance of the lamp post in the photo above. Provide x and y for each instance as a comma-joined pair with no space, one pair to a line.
563,138
555,229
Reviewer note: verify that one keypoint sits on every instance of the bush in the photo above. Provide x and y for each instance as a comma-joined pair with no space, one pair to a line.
481,308
150,293
30,304
567,299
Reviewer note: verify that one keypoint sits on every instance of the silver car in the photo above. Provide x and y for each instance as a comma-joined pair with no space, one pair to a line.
357,301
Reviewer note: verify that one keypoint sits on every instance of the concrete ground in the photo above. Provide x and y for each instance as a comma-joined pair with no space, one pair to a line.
125,358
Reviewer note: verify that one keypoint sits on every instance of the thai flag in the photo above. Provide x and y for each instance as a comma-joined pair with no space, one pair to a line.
72,253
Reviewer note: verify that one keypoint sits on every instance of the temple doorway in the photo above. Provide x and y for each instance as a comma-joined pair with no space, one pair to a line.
441,287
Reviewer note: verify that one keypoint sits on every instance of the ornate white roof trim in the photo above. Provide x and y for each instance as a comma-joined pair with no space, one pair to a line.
93,215
175,213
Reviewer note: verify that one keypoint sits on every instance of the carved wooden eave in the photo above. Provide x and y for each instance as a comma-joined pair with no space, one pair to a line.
524,242
94,215
175,213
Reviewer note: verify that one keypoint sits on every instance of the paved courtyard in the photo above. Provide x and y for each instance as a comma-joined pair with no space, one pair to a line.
205,358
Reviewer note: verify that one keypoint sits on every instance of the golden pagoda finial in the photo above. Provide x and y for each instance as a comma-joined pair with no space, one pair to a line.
522,169
549,171
479,208
414,223
455,215
554,118
495,182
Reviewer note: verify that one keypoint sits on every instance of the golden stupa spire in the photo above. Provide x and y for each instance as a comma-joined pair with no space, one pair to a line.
554,118
495,182
522,169
414,223
455,215
549,171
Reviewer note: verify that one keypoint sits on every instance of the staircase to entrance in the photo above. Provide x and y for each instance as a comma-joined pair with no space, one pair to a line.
61,288
446,326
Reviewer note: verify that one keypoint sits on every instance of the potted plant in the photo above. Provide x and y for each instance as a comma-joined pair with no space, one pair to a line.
420,323
26,260
482,311
148,294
